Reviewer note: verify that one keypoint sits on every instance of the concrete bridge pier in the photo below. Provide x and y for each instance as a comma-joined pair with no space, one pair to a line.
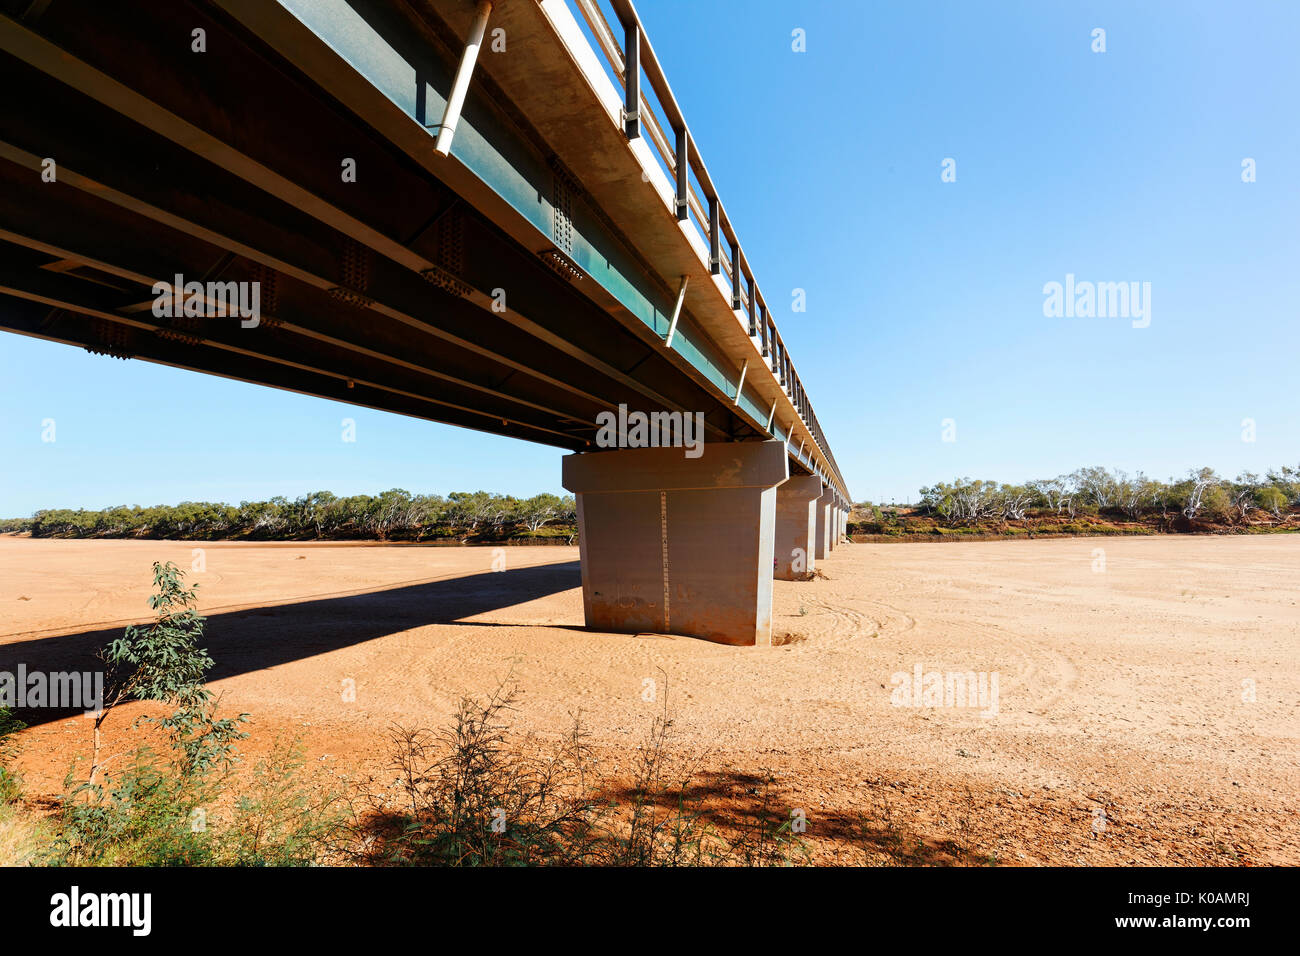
824,505
679,545
796,528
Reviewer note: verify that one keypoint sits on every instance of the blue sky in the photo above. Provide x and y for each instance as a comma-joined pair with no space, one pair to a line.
925,298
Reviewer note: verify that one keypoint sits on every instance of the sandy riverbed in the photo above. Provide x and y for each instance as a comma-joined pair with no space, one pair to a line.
1123,686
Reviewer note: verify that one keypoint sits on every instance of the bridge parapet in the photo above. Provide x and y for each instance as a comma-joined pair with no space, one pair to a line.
650,111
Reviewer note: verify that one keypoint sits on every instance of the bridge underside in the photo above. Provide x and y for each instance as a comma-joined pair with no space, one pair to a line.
129,207
127,159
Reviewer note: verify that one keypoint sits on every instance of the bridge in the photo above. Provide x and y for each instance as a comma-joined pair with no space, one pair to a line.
486,214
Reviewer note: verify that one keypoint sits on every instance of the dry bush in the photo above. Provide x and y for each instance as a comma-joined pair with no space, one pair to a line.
20,836
474,794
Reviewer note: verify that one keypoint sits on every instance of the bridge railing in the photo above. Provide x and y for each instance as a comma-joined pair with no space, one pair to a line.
651,109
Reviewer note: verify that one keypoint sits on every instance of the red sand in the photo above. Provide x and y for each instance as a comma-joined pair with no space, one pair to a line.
1120,689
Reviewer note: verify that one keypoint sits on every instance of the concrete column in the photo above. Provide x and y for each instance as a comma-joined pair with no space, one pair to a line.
796,528
834,538
824,504
679,545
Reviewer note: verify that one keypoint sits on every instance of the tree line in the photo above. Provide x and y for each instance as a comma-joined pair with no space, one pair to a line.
1202,495
394,514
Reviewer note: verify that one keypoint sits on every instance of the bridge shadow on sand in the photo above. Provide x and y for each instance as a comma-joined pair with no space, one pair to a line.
252,639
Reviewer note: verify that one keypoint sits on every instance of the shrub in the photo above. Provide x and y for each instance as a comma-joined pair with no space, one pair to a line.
163,809
21,837
1272,499
474,795
163,662
10,782
279,821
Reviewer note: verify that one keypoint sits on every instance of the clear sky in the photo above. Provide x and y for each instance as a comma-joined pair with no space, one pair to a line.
924,298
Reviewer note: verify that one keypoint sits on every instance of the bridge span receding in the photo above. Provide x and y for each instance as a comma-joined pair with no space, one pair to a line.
491,215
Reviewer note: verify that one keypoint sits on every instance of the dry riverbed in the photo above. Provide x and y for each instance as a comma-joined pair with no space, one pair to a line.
1147,705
